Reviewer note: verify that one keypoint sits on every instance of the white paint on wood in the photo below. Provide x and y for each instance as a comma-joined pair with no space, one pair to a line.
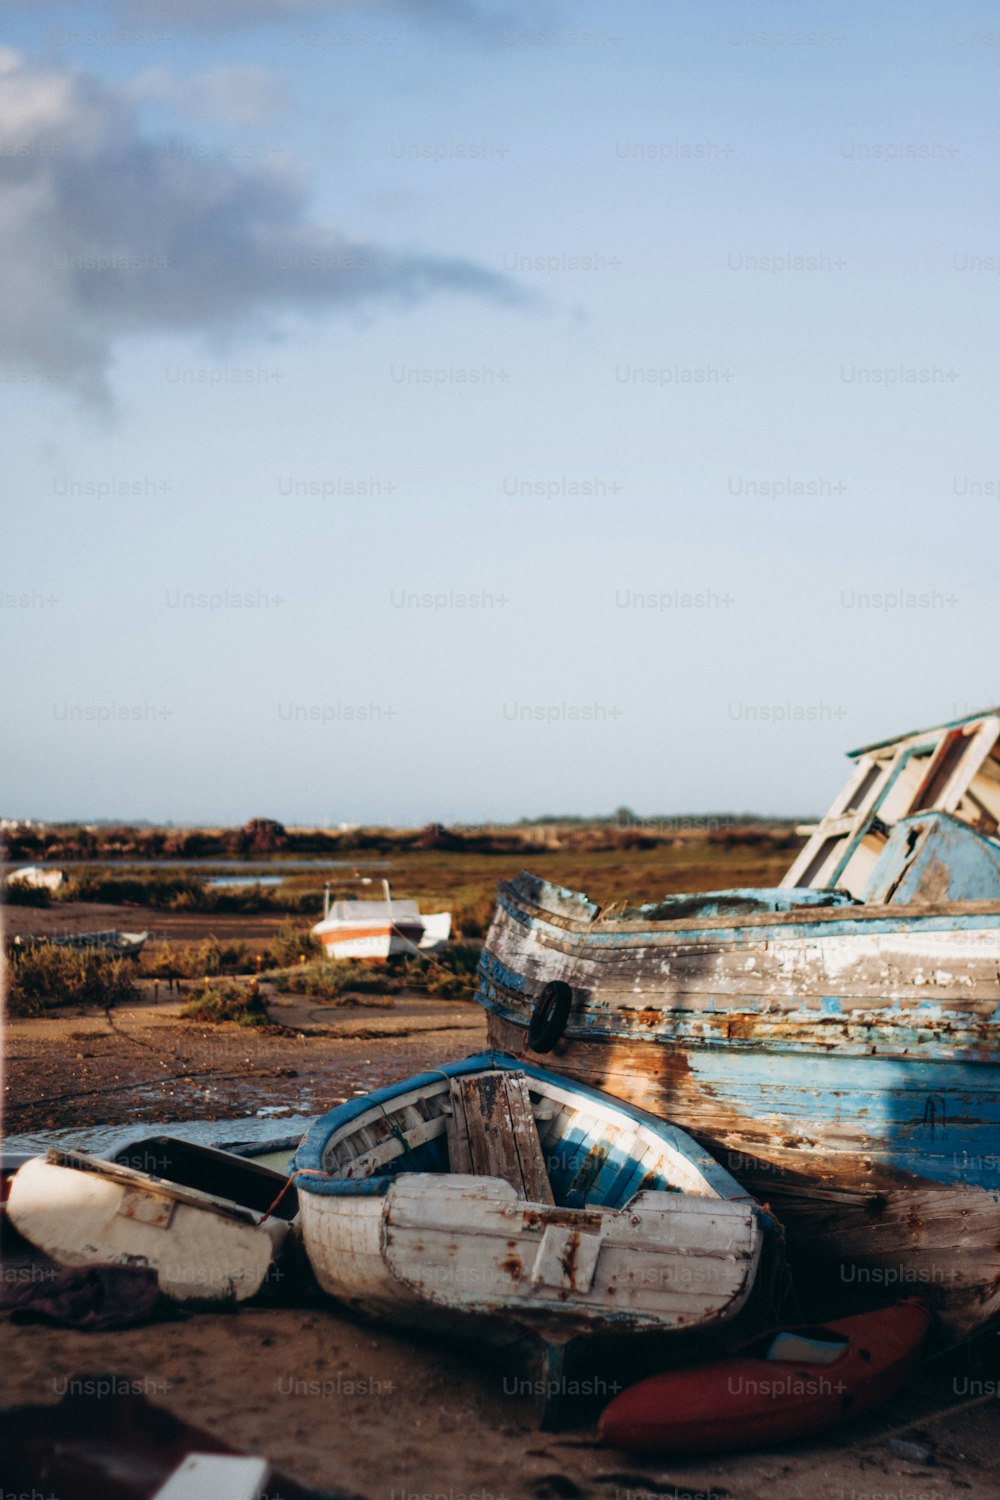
202,1248
566,1259
217,1476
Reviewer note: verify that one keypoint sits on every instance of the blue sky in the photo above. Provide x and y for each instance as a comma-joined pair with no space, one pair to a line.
440,410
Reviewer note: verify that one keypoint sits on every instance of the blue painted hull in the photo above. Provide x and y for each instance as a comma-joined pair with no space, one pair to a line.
845,1063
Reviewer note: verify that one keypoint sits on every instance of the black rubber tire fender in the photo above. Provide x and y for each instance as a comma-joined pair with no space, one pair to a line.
550,1015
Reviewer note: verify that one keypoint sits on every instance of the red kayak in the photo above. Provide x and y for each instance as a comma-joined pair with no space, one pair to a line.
810,1379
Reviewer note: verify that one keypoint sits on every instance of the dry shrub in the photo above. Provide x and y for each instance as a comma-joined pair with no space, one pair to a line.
472,910
45,976
229,1001
292,943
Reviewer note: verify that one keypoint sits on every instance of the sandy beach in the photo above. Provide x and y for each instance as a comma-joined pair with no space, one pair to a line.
387,1416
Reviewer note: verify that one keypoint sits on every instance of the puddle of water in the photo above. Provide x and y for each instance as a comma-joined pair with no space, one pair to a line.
268,1128
233,882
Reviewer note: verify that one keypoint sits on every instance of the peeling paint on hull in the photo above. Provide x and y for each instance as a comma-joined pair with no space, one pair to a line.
842,1063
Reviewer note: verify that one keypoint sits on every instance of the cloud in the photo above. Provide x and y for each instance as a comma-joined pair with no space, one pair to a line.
226,95
105,235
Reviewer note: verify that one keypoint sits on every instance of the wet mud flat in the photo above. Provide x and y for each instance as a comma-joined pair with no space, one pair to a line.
145,1063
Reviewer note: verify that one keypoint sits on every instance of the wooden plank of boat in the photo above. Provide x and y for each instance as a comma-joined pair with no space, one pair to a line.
83,1211
457,1130
493,1133
379,1157
950,769
770,1394
527,1144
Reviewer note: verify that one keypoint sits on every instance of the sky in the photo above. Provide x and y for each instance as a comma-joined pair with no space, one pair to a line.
441,410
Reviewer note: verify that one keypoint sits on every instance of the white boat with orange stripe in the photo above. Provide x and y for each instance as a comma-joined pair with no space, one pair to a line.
378,929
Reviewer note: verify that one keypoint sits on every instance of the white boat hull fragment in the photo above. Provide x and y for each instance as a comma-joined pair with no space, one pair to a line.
83,1211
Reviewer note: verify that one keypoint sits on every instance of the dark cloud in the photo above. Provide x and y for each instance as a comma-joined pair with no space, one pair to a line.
104,234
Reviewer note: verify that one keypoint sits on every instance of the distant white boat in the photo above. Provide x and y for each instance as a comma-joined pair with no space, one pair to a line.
123,944
38,877
378,929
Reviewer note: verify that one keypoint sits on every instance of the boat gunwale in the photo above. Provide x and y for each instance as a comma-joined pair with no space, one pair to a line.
944,913
128,1178
316,1181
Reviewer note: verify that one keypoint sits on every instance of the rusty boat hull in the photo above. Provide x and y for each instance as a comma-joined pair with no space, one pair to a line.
841,1059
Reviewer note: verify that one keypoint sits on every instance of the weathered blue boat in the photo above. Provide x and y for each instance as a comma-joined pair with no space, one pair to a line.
836,1046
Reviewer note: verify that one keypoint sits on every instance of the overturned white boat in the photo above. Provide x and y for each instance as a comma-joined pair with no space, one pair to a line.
378,929
512,1205
81,1211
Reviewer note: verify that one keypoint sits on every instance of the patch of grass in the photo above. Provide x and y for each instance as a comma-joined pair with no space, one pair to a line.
45,977
338,982
210,956
291,944
229,1001
163,891
167,960
449,974
472,910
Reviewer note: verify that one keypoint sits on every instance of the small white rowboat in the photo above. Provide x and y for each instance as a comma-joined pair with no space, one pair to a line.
500,1200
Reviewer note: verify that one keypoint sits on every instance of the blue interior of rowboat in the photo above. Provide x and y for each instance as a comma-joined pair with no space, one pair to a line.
583,1168
581,1171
